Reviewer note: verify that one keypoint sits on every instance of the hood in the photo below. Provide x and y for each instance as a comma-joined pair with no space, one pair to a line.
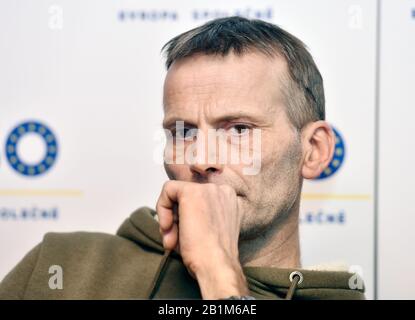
264,282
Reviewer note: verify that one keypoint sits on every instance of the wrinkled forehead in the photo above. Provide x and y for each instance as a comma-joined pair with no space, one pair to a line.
224,82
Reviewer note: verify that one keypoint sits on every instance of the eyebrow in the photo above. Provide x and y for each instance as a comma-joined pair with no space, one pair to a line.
241,116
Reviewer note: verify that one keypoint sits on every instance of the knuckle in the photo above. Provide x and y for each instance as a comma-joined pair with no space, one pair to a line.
165,185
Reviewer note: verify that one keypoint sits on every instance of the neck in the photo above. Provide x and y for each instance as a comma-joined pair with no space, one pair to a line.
278,247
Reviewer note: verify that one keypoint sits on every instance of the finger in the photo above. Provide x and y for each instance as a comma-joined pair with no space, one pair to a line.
177,248
170,238
165,209
176,212
166,217
166,205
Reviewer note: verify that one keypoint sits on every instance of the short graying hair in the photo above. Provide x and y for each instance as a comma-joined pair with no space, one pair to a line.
303,86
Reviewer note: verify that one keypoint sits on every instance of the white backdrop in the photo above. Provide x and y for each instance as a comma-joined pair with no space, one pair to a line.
91,72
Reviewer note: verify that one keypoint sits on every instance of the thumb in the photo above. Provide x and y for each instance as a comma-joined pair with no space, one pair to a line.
170,237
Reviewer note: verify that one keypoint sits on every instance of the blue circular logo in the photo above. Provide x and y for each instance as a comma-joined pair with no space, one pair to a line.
338,157
51,148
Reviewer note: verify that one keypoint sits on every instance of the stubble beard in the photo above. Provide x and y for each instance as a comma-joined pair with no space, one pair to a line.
279,201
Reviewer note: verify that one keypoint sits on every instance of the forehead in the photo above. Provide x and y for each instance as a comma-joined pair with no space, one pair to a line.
222,83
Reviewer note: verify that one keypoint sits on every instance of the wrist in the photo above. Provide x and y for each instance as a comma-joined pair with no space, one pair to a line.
221,280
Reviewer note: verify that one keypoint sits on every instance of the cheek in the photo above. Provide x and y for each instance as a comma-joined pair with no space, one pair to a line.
171,171
280,165
257,184
270,157
177,172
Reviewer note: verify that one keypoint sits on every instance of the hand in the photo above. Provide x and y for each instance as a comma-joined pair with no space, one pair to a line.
202,222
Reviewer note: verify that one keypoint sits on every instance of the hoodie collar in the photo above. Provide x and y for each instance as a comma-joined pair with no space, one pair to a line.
142,228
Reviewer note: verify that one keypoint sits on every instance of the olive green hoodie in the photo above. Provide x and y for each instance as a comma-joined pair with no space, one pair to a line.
132,265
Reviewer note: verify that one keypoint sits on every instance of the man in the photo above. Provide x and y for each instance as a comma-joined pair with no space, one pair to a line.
222,231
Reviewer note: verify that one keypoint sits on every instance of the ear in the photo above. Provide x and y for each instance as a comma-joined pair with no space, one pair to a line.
318,143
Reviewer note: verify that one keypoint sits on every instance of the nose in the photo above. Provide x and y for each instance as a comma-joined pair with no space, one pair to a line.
208,162
204,170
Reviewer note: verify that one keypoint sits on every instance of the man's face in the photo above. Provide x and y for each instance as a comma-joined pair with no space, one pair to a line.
238,94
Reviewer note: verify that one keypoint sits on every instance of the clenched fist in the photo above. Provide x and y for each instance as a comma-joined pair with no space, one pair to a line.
202,222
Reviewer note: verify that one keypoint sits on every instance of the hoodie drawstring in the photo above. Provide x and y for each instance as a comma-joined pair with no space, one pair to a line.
296,278
155,283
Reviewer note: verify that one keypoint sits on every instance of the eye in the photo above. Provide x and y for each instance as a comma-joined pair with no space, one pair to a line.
239,129
185,133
